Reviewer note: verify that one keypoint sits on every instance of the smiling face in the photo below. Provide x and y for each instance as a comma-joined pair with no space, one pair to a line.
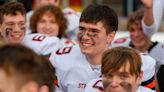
48,25
13,28
93,39
137,35
121,81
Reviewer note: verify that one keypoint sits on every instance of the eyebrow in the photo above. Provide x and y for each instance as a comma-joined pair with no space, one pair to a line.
90,28
124,73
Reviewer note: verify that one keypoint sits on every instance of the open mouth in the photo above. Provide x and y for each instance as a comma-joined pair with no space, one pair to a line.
17,36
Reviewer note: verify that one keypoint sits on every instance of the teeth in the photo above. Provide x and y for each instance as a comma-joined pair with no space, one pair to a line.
85,44
16,36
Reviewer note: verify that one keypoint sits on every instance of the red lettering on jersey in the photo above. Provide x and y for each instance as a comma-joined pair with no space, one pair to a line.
96,86
82,85
63,50
121,40
39,38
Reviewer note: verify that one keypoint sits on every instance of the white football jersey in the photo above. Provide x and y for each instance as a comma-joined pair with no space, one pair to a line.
156,50
41,44
96,85
73,18
72,69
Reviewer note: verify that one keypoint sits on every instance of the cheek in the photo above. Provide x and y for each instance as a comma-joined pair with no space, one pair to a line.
79,36
126,86
40,25
106,84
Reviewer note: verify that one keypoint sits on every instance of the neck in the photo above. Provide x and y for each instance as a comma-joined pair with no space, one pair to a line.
145,47
94,60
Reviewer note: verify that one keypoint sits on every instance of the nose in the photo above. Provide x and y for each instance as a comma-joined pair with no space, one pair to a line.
114,82
82,35
16,28
136,33
47,25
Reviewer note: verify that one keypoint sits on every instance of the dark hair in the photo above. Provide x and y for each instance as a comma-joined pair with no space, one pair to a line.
101,13
48,74
25,65
11,8
57,14
113,59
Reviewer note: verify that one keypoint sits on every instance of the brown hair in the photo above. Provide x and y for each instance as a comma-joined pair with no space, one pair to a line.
25,65
11,8
113,59
58,15
101,13
135,18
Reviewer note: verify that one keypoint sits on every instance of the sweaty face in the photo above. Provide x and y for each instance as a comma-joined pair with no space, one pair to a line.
13,28
121,81
93,39
48,25
137,35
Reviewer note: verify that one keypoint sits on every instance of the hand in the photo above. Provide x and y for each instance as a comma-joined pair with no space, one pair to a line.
147,3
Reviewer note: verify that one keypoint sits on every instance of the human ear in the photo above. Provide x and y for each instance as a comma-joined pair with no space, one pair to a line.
111,37
30,87
139,78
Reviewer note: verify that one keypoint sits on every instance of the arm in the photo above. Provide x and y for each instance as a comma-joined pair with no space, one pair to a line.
152,16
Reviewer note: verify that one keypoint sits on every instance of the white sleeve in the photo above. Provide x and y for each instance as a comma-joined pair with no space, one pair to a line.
94,85
148,67
158,9
74,80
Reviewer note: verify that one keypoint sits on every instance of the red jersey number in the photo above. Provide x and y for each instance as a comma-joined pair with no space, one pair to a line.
38,38
65,50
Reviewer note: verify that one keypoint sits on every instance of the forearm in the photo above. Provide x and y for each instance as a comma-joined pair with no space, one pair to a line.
148,16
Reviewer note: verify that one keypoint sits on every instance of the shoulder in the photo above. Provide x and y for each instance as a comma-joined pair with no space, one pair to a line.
144,89
94,85
124,41
66,57
148,66
41,43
